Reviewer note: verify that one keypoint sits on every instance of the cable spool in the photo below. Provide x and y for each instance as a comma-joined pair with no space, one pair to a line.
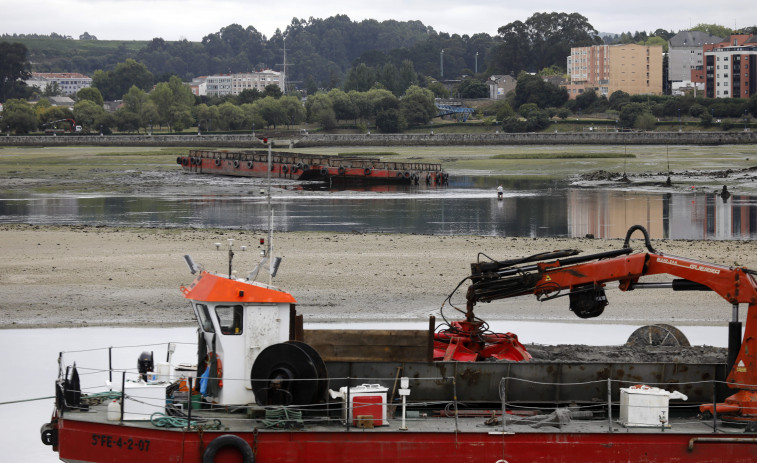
290,373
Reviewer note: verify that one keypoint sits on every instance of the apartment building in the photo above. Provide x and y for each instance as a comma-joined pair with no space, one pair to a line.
68,82
685,54
234,84
730,68
634,69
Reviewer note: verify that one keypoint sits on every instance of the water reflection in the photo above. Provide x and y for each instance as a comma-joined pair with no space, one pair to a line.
532,208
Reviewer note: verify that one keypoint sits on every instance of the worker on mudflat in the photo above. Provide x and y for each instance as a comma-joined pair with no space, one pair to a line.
500,192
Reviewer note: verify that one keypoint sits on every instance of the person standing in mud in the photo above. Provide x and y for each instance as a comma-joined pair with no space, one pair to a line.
500,192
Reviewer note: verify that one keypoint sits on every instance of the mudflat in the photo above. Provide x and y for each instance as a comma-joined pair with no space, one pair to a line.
62,276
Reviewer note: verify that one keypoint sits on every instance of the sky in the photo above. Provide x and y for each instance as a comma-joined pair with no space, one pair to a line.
193,19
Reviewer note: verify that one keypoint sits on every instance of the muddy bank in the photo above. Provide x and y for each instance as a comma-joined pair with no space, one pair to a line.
84,276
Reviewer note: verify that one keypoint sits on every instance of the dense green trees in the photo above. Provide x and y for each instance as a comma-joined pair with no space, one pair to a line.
90,93
18,116
541,41
14,69
114,84
417,106
173,101
533,89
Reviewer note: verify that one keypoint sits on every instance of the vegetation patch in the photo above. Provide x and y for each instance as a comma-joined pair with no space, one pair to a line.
562,156
368,153
161,152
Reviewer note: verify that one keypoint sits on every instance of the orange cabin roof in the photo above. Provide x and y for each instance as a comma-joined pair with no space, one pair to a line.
208,287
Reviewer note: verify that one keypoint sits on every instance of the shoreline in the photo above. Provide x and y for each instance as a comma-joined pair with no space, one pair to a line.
75,276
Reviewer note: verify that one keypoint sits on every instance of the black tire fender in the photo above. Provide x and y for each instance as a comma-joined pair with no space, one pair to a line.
342,170
249,164
284,169
236,164
324,171
228,440
178,160
367,171
218,162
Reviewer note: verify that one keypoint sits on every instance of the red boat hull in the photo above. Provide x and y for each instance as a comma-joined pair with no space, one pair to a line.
311,167
93,442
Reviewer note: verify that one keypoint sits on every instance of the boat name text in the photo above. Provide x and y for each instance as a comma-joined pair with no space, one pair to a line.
104,440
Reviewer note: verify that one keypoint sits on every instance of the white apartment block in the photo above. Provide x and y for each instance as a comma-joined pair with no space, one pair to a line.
234,84
68,82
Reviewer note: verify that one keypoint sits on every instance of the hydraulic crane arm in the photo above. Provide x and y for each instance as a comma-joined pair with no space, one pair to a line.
583,280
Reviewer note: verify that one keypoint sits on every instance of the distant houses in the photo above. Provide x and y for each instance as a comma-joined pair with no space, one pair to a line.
68,82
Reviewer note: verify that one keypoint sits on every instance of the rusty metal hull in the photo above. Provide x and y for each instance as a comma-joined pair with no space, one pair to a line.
311,167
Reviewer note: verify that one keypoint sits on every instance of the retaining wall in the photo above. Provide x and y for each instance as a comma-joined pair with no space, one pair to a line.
448,139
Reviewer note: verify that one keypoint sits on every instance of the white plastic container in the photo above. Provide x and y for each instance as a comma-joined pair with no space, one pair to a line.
645,406
114,411
365,400
142,400
163,371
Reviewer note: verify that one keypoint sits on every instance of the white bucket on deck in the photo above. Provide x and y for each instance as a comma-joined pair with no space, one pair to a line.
114,411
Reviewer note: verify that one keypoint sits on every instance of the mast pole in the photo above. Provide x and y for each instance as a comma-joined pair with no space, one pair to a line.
270,214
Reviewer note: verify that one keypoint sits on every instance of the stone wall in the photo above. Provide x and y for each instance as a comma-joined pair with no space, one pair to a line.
313,140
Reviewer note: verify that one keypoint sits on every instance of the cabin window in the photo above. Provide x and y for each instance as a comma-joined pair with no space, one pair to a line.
229,318
204,317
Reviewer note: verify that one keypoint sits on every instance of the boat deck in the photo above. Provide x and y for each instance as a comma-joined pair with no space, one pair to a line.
425,422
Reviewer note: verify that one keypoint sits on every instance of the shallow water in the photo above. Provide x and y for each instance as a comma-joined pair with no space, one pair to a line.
468,206
32,368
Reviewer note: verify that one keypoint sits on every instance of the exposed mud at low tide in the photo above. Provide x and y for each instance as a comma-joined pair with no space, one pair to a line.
615,354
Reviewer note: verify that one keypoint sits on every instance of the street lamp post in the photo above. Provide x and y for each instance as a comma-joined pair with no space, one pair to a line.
150,127
745,119
441,61
476,63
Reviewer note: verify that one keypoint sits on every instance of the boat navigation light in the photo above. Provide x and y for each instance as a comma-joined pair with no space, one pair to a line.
191,264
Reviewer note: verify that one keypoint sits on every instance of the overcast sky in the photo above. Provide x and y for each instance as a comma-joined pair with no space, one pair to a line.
193,19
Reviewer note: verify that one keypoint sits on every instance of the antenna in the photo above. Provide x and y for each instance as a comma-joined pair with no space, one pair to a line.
193,268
